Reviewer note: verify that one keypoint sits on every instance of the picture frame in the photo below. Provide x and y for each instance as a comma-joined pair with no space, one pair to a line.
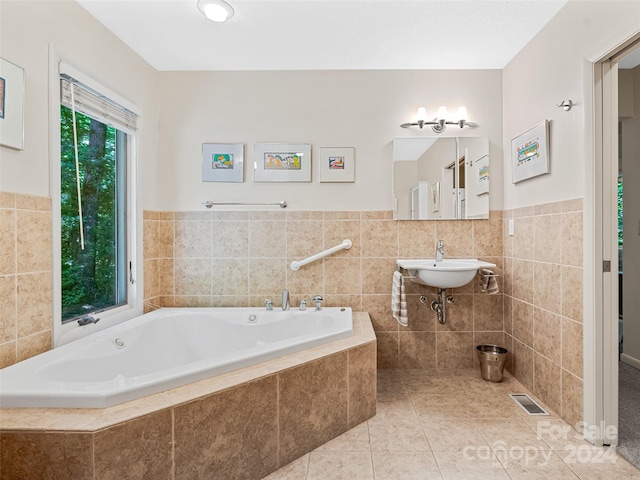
482,175
282,162
337,164
12,93
223,162
435,197
530,153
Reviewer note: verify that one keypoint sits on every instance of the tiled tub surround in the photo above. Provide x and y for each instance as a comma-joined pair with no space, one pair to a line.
25,277
240,258
241,425
543,267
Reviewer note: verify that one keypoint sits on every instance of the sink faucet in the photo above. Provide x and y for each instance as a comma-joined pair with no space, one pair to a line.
285,299
439,250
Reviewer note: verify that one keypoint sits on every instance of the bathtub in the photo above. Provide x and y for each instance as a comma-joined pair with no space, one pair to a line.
164,349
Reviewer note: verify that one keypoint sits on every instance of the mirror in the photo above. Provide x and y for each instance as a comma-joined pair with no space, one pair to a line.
441,178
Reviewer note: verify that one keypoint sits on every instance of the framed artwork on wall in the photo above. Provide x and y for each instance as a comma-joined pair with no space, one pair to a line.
282,162
435,197
530,153
222,162
337,164
11,105
482,175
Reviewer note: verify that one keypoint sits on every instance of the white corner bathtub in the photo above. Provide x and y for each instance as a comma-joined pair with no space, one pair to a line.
164,349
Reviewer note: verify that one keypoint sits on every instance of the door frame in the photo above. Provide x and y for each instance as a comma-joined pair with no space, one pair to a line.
600,345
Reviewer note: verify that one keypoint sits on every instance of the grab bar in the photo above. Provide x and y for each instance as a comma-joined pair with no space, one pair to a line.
346,244
210,204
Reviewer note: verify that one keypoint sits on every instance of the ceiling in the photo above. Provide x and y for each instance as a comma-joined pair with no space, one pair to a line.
327,34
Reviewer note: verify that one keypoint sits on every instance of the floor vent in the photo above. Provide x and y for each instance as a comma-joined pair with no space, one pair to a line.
527,404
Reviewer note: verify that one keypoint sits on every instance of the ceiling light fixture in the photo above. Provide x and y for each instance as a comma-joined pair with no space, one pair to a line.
216,10
440,122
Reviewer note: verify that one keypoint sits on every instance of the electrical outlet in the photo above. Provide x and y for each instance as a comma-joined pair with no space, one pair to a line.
512,227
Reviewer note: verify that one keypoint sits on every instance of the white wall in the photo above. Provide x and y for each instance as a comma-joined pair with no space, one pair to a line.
431,166
26,30
361,109
551,69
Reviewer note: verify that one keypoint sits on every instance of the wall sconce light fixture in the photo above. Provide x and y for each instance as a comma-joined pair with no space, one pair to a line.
216,10
440,122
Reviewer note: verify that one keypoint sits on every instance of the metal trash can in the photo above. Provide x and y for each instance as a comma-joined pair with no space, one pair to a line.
492,358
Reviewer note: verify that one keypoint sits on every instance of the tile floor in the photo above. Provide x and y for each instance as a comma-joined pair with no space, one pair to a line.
454,425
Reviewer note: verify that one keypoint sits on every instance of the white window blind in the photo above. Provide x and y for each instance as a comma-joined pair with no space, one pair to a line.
96,105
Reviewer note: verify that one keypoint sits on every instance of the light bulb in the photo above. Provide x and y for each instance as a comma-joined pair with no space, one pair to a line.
215,13
442,113
422,114
216,10
462,113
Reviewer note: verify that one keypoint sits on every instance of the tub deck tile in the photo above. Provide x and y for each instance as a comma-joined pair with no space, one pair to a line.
231,434
44,455
313,405
140,448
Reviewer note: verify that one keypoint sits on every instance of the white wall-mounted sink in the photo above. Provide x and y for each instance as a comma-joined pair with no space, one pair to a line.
448,273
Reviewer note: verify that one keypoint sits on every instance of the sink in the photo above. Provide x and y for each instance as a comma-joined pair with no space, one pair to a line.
449,273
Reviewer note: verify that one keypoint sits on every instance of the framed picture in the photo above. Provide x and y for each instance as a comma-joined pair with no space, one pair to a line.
481,167
530,153
222,162
282,162
337,164
435,196
11,105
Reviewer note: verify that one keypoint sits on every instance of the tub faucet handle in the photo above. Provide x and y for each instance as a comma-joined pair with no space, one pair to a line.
318,301
269,304
303,305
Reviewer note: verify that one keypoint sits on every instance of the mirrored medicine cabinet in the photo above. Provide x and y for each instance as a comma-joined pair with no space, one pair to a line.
443,178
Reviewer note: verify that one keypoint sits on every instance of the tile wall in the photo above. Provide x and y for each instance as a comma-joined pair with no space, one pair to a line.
543,302
242,258
25,277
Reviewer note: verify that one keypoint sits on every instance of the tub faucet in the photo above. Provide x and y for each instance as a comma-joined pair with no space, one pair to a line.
439,250
285,299
318,301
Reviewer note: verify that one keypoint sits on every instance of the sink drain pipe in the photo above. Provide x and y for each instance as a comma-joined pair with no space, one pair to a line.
439,305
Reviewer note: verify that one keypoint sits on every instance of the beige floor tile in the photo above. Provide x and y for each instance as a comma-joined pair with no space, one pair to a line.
439,406
354,440
430,385
397,435
340,466
390,382
452,434
405,466
592,464
296,470
535,465
512,433
491,404
557,433
397,406
472,465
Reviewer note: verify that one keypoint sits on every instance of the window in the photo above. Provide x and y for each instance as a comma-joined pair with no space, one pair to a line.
96,223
